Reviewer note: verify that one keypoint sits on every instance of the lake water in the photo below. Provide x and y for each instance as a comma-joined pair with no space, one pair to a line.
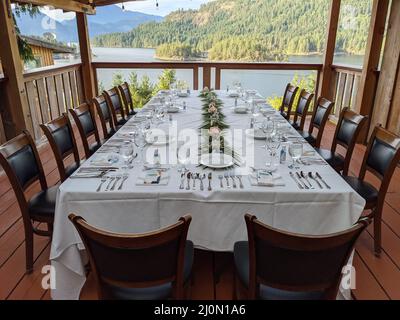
268,83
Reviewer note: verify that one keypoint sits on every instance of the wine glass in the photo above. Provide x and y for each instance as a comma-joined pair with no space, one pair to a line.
126,152
272,145
295,151
140,142
184,161
268,128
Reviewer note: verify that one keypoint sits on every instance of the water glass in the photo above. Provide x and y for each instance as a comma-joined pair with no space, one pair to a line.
295,151
126,151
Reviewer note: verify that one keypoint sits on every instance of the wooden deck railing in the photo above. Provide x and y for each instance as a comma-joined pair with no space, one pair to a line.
209,68
2,100
345,87
50,92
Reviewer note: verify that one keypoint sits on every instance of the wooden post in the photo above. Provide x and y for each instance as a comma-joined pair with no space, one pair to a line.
386,101
206,77
88,78
16,114
369,78
327,72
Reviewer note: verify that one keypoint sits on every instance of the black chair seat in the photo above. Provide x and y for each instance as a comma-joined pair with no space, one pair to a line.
335,160
121,122
364,189
241,257
294,125
154,293
71,168
43,204
308,137
95,146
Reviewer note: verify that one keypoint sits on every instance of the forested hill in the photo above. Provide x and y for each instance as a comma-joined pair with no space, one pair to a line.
248,30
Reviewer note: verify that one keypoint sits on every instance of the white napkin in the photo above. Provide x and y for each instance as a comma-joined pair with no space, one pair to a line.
266,180
105,159
153,178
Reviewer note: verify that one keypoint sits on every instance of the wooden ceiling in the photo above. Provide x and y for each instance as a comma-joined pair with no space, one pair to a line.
86,6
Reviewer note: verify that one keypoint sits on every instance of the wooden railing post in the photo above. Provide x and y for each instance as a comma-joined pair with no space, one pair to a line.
86,57
386,110
16,114
206,76
325,88
369,77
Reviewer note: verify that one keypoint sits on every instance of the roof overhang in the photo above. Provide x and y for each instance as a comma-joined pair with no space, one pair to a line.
85,6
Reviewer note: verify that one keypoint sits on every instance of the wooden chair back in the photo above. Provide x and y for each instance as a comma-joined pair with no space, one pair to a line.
127,98
136,261
320,118
115,103
288,99
347,132
303,105
381,158
105,115
298,263
60,135
85,120
20,160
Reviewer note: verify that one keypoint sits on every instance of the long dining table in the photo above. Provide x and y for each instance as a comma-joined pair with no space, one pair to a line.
217,214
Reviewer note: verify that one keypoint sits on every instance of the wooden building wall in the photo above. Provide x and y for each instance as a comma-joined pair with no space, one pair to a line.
45,55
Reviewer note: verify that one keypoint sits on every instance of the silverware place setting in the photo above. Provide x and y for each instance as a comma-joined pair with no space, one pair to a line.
309,180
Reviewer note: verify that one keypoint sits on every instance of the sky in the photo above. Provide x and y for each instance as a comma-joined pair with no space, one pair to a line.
147,6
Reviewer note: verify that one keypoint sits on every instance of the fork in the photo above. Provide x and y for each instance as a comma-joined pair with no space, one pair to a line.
109,184
124,178
103,180
233,180
115,183
240,182
226,176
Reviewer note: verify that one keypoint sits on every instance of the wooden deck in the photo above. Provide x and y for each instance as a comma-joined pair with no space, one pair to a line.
377,278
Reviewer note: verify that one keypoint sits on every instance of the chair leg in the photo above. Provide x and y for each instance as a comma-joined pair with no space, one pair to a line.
29,250
378,234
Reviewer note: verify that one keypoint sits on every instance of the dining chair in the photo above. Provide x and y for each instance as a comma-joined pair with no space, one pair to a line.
150,266
127,99
381,158
318,121
60,135
116,106
346,135
301,112
85,120
288,101
106,120
21,163
277,265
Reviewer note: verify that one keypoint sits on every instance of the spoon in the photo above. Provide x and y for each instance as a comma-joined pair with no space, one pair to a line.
188,176
209,181
220,177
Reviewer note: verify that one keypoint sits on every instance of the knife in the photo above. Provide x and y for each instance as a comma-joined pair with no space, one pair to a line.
323,181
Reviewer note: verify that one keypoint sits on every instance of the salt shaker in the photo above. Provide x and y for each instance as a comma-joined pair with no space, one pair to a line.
283,155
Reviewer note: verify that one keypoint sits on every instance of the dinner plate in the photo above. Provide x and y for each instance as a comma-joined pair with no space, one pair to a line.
216,160
183,94
173,109
257,134
241,109
159,140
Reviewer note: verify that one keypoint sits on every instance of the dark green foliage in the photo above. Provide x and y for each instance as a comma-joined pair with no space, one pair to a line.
249,30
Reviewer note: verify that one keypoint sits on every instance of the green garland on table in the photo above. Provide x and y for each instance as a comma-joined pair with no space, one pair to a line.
214,122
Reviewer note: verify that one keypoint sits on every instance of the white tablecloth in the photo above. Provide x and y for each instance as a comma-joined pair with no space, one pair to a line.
218,216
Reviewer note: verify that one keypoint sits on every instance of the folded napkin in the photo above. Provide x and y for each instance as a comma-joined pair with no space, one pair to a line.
104,159
153,178
263,179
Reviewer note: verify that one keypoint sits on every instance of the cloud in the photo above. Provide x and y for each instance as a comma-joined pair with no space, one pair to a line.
164,6
57,14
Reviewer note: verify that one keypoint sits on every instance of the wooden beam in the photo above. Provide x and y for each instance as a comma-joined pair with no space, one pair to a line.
88,78
16,116
389,72
327,72
369,77
394,118
66,5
